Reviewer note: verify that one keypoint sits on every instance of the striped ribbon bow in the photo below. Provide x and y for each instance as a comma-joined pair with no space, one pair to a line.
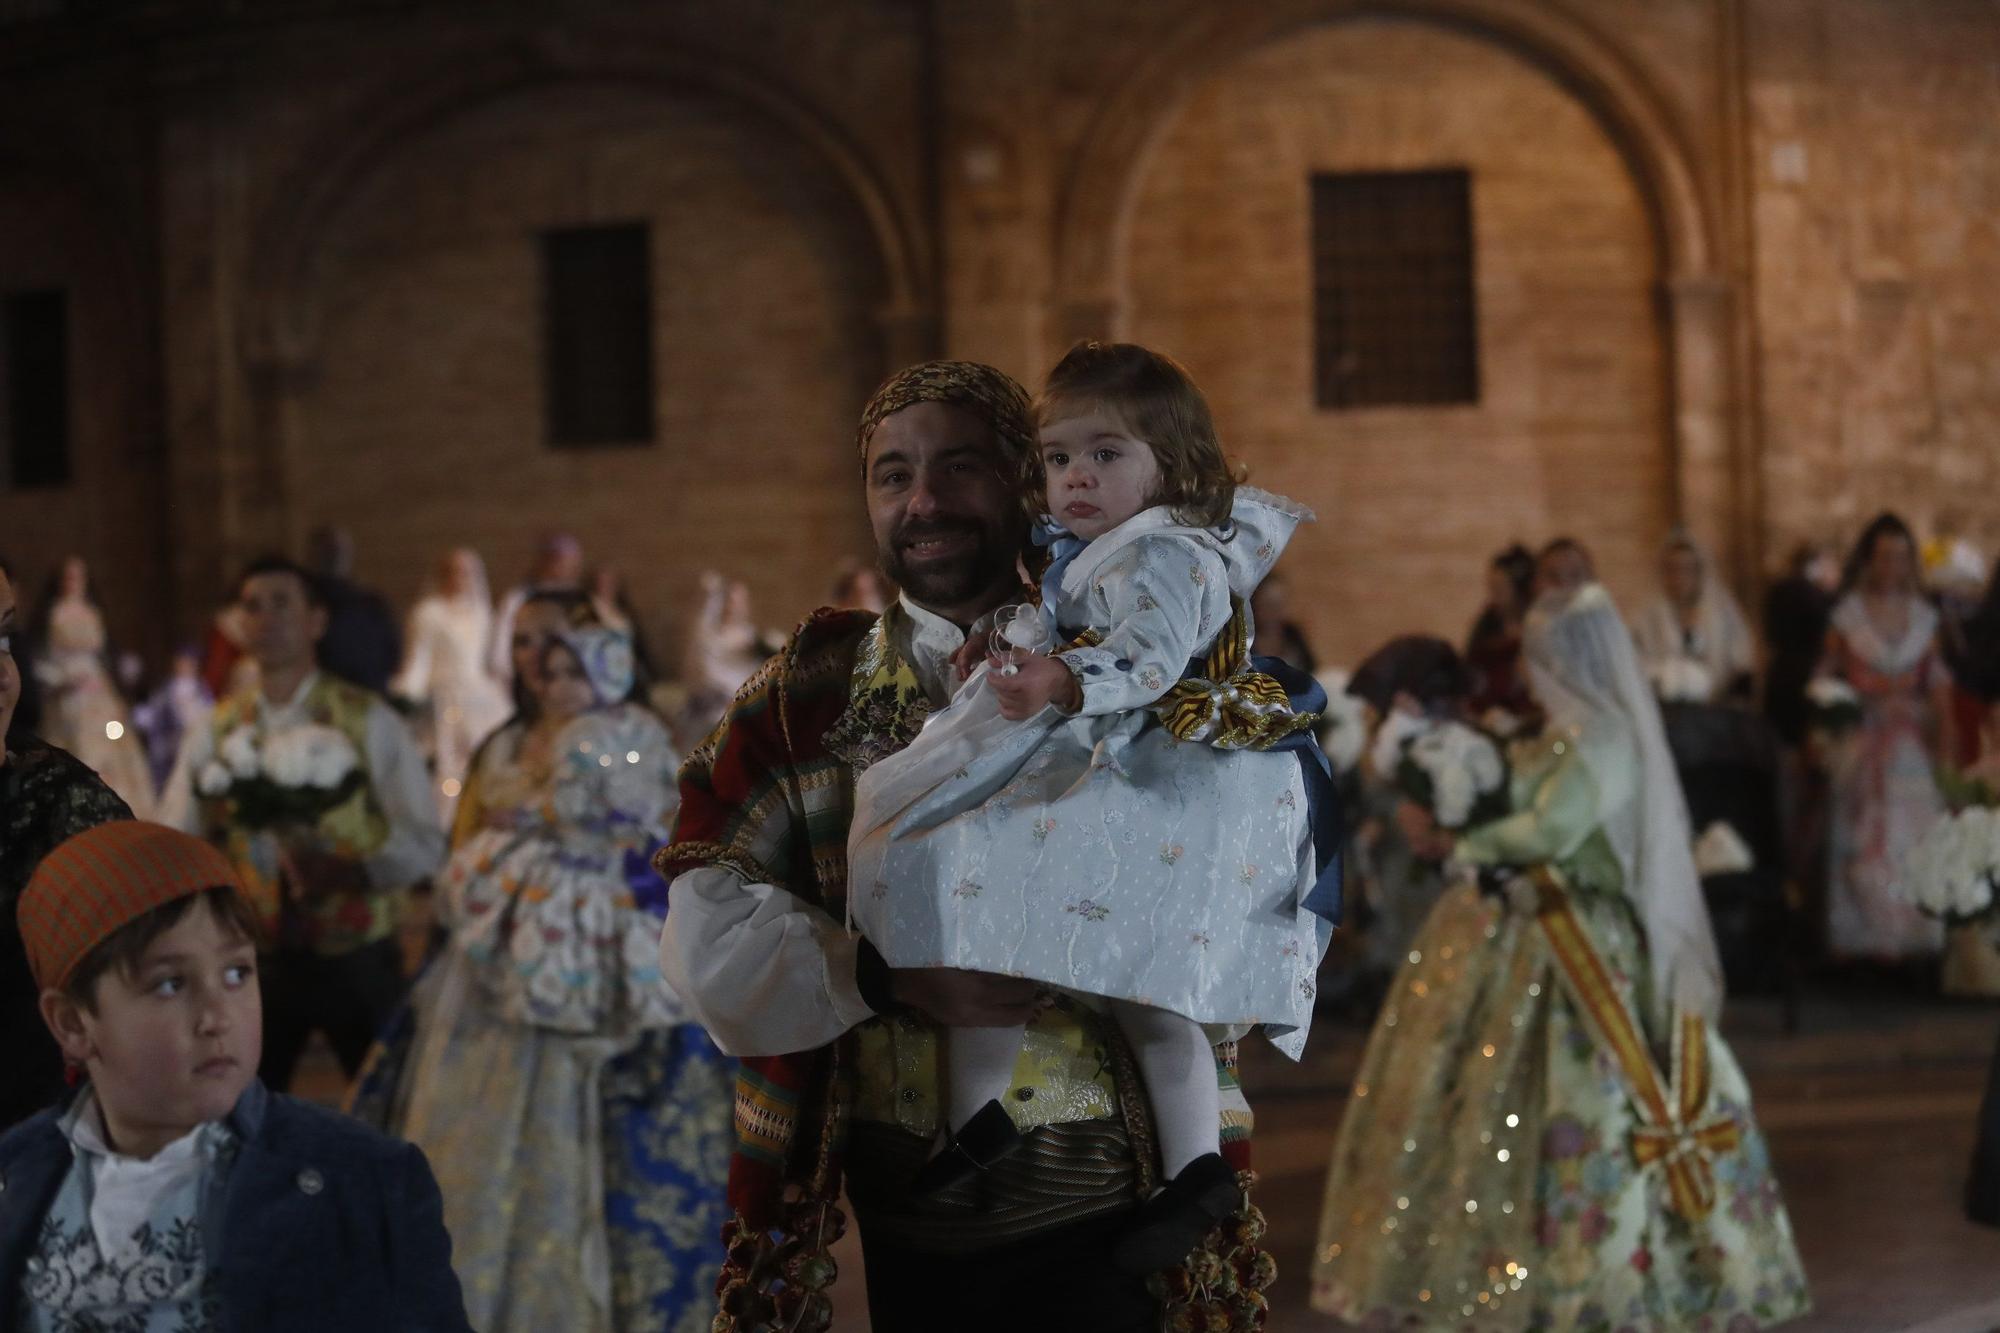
1678,1129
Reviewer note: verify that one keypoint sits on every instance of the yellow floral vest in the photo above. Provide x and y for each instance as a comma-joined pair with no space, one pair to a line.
355,829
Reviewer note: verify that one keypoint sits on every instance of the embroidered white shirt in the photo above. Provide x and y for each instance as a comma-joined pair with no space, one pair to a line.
763,971
396,770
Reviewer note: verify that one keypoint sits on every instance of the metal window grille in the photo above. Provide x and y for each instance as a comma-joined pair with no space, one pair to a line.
1394,319
597,308
34,388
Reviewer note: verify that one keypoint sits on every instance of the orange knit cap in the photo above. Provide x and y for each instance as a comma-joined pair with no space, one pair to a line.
104,878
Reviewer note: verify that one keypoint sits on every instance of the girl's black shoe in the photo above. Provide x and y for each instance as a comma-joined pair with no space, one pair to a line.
986,1138
1171,1223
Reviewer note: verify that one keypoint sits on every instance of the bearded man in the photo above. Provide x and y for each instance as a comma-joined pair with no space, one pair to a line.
840,1078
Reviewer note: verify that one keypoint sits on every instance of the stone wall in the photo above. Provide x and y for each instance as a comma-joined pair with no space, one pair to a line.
424,418
1736,265
1570,431
1876,157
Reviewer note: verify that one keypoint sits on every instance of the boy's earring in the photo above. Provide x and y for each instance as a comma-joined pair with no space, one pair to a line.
72,1073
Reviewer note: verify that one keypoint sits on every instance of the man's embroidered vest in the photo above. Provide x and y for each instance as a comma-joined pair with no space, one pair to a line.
355,829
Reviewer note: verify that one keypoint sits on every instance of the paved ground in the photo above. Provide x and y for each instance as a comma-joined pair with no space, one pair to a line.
1869,1110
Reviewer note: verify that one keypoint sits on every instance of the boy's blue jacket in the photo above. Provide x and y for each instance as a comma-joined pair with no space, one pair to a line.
328,1226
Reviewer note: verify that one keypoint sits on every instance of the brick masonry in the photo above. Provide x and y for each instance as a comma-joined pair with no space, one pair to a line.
1737,266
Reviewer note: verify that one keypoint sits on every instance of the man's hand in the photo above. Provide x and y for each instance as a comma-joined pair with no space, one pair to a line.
1040,681
958,999
1420,829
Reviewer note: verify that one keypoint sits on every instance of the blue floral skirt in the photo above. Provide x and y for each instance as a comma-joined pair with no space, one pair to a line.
583,1175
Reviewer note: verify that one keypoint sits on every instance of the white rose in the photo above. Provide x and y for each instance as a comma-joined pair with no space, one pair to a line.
1452,790
1483,759
330,756
1396,729
1462,766
1951,870
1830,692
214,779
239,752
1347,731
1682,680
312,756
285,759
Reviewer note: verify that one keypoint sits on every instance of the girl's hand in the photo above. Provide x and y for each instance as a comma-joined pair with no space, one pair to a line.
1415,823
1041,681
1420,829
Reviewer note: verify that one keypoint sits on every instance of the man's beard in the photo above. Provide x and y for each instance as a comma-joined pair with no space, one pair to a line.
949,583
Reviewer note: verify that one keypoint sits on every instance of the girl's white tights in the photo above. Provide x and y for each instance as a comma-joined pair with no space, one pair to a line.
1176,1063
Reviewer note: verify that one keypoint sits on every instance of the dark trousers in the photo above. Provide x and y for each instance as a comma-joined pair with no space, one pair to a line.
1053,1283
348,996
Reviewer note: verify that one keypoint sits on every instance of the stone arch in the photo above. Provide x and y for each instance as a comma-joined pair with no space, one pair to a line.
1712,483
281,328
287,323
71,224
1634,114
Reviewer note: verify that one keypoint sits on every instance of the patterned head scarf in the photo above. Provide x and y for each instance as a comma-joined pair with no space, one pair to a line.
989,394
606,657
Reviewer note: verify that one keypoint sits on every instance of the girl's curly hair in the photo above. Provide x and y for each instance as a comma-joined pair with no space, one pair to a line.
1157,401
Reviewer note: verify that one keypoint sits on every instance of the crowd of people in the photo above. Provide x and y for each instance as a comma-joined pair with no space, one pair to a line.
705,952
1821,805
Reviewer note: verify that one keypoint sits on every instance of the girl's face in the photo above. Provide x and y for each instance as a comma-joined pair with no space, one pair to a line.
75,578
566,691
1680,571
1892,565
1099,474
536,625
461,571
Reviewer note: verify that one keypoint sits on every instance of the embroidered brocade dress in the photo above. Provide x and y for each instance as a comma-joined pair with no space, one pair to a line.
1098,852
1885,793
47,796
446,669
84,712
1486,1174
578,1122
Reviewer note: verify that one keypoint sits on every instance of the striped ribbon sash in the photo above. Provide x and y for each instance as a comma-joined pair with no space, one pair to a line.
1679,1129
1226,702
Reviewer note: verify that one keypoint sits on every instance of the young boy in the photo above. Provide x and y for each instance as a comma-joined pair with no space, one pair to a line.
172,1192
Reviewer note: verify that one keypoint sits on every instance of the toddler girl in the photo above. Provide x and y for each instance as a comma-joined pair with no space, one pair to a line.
1103,819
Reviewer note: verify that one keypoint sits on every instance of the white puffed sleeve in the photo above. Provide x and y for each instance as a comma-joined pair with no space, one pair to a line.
1157,602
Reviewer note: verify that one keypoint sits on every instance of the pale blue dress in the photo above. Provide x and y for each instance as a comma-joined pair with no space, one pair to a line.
1097,852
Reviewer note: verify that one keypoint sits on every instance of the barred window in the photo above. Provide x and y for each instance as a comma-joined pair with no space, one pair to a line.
1394,320
597,330
34,389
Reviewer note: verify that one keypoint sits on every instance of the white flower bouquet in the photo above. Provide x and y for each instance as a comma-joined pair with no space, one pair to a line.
1682,680
1720,850
1454,771
1344,724
292,777
1832,705
1953,871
